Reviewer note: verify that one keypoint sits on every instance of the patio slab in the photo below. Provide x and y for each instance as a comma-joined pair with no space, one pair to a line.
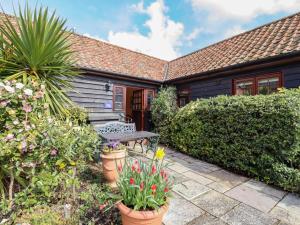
177,167
253,197
178,177
181,211
285,216
215,203
207,219
196,177
221,187
291,202
226,177
267,189
190,189
288,209
246,215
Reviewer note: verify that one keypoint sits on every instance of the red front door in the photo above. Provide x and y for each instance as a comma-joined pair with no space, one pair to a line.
141,108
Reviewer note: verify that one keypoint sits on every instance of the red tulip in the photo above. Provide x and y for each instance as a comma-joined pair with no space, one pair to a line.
162,173
153,169
153,188
166,176
142,186
133,168
131,181
166,189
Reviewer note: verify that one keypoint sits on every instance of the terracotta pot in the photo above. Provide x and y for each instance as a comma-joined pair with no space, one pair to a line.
110,163
132,217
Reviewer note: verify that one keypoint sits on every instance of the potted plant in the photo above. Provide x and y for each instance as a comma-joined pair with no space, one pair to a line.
113,156
144,190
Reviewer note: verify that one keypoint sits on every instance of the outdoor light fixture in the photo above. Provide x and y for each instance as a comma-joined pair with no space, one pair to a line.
107,85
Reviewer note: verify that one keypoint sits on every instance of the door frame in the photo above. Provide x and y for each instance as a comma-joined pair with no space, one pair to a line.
144,99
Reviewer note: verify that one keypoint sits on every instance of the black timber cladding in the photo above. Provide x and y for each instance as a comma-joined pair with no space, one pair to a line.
212,87
90,92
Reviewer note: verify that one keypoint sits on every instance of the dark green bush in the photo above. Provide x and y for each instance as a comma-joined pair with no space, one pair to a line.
255,135
163,109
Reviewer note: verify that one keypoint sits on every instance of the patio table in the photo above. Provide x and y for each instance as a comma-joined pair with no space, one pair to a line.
137,136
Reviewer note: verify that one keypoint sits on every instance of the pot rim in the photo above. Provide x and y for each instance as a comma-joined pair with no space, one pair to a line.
142,214
113,154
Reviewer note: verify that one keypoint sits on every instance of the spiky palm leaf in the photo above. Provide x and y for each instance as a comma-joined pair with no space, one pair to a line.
37,47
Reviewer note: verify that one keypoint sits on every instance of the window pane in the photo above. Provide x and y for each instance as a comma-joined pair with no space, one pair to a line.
118,106
268,85
119,98
149,97
182,102
244,88
119,91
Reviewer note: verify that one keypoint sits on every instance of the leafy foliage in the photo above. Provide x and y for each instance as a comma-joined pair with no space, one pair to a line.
145,186
41,153
96,206
163,109
78,114
42,215
256,135
36,48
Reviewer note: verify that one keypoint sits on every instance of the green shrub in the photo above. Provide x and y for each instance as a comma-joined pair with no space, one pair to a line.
78,114
255,135
163,109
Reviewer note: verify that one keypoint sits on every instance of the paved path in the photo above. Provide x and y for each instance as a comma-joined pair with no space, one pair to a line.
205,194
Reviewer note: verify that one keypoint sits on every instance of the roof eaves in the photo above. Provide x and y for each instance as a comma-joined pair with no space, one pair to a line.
235,66
121,76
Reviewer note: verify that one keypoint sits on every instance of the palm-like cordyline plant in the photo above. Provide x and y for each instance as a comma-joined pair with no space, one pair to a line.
37,48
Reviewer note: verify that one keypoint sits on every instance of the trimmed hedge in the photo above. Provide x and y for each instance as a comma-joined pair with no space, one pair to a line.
254,135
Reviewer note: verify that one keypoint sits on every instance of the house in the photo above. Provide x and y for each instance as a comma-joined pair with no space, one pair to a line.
117,83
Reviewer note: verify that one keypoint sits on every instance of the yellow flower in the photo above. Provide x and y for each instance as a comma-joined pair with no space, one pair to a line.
11,112
160,153
62,165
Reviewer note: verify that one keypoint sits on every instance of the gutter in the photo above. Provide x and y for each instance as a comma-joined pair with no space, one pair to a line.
238,68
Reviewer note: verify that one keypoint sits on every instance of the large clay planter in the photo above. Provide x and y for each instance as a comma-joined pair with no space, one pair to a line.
110,163
132,217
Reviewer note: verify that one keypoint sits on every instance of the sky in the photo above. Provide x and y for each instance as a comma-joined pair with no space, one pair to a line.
165,29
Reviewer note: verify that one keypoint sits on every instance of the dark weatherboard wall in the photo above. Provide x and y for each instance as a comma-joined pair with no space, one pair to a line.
223,85
90,92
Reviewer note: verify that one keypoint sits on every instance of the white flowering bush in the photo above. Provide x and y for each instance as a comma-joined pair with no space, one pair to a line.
17,127
39,153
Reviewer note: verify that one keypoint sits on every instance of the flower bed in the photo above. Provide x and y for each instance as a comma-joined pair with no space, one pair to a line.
40,155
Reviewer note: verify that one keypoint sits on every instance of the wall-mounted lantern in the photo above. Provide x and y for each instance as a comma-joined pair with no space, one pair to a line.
107,86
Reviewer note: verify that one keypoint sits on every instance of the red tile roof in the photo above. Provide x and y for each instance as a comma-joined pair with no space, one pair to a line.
273,39
100,55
